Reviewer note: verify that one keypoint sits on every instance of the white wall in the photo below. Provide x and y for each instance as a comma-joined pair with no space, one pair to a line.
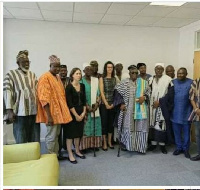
2,133
79,43
186,46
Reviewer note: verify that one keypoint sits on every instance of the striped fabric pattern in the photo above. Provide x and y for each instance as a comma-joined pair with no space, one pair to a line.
194,95
140,109
90,142
19,91
135,141
134,131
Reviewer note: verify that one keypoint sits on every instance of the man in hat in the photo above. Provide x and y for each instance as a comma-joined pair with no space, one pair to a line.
118,69
52,106
61,138
63,75
132,120
143,71
170,71
161,94
19,90
95,65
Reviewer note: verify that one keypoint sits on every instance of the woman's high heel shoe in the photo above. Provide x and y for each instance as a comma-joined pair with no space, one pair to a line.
73,162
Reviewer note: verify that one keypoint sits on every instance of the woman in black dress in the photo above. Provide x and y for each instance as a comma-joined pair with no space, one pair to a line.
76,100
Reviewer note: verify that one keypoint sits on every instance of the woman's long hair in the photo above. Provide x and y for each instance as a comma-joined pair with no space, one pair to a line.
105,69
72,73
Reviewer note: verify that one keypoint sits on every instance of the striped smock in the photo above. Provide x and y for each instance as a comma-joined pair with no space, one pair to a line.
19,91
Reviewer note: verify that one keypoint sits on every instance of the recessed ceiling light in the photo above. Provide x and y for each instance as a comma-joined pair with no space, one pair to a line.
161,3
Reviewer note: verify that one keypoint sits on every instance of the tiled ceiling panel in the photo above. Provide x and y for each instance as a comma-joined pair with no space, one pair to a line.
115,19
116,13
156,11
174,22
125,9
6,14
25,13
57,15
185,13
91,7
24,5
192,5
56,6
143,21
87,17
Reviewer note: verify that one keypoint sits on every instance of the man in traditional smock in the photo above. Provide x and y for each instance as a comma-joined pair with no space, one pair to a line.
52,106
195,115
132,120
19,92
161,94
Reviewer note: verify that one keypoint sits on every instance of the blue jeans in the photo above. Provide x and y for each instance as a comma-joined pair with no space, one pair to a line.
178,129
25,129
197,134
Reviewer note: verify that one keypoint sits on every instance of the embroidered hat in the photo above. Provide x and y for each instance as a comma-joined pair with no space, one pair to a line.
22,54
54,59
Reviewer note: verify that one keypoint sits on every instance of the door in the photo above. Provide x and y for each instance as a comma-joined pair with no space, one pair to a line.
196,65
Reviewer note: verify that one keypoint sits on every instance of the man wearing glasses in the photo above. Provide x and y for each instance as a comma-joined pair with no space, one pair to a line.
19,91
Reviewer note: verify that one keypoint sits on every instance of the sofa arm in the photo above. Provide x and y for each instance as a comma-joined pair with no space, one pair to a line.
21,152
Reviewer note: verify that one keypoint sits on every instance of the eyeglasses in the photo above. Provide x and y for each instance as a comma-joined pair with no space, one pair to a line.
134,73
23,62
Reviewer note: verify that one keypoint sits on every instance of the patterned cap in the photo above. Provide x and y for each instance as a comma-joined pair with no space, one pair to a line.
93,63
132,67
86,65
54,59
22,54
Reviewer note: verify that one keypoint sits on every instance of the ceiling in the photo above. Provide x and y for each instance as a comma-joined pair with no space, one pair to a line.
111,13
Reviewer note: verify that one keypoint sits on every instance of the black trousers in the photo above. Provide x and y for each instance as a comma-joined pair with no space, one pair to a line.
62,139
107,119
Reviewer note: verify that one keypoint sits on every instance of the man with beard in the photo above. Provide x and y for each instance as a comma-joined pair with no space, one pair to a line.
143,71
19,90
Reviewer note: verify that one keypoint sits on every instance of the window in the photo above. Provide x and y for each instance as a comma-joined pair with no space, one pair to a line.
197,40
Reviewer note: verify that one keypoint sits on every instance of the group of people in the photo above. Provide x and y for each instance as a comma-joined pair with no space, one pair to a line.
84,111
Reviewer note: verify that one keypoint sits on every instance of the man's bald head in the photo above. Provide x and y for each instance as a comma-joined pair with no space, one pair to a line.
170,71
